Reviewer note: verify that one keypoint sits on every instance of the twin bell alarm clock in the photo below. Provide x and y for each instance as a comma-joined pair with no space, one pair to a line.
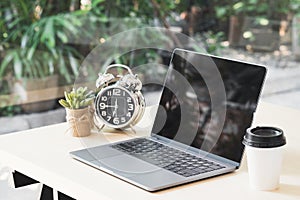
119,103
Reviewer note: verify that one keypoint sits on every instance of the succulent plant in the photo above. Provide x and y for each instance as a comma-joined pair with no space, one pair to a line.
77,98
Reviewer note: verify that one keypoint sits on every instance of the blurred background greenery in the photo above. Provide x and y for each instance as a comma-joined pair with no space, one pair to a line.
43,42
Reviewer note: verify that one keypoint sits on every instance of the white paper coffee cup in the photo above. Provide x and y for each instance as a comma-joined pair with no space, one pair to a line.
264,148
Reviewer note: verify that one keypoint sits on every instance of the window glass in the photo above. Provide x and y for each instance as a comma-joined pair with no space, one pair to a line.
49,46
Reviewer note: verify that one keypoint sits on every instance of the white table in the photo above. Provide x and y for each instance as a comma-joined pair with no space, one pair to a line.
43,154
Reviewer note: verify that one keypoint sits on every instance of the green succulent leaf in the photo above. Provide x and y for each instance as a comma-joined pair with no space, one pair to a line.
64,103
77,98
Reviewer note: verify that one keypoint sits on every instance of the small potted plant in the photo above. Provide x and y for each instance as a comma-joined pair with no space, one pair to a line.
79,112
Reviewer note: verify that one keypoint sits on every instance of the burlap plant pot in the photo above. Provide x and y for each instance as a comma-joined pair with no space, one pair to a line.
80,121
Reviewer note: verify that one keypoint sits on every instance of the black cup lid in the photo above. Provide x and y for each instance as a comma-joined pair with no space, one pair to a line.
264,137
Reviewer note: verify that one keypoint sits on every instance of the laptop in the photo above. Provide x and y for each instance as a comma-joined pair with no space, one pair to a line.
206,105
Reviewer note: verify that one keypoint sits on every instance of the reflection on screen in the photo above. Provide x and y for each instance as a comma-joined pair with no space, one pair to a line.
186,113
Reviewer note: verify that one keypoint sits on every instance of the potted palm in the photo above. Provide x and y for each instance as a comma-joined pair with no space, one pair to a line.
79,112
37,53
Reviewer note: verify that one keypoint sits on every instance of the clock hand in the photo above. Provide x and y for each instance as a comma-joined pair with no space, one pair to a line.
116,103
109,106
116,107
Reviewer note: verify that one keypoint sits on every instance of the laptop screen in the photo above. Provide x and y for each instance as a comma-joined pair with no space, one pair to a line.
208,102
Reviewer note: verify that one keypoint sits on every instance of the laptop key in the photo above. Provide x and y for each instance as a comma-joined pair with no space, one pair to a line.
151,161
188,172
216,167
208,169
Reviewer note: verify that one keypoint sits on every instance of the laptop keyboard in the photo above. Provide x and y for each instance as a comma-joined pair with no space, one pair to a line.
167,157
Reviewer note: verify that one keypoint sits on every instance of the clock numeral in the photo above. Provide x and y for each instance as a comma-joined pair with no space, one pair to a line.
117,92
104,98
102,106
130,106
109,93
128,99
103,113
128,114
108,118
116,120
123,120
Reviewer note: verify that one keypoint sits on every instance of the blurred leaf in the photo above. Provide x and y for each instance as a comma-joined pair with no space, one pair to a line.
96,2
73,64
34,72
75,20
12,24
238,6
17,66
253,2
48,34
31,51
261,8
63,68
62,36
24,41
5,62
25,7
51,66
28,68
221,11
68,26
53,52
38,69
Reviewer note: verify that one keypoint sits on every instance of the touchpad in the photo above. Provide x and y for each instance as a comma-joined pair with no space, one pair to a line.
125,164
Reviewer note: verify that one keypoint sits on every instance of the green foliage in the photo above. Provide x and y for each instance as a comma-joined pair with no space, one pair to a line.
210,41
294,5
41,64
38,38
5,108
10,110
213,41
77,98
255,8
142,9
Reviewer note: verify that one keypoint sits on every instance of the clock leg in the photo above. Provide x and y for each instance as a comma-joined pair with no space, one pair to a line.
99,128
132,129
97,125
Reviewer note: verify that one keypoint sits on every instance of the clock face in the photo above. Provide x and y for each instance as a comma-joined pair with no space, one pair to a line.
115,106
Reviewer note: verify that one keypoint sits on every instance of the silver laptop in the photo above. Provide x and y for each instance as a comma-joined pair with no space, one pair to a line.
206,105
